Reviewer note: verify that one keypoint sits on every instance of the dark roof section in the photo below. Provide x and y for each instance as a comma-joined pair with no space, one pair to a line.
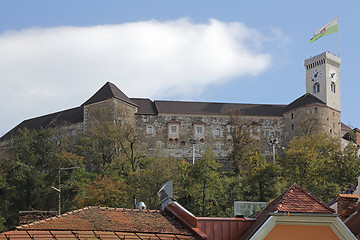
304,100
146,106
106,92
345,127
212,108
293,200
73,115
112,219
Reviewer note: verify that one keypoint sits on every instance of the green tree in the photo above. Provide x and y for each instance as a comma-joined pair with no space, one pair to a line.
311,162
202,184
258,177
103,192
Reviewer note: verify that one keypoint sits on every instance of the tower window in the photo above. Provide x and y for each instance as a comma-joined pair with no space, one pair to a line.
316,88
333,87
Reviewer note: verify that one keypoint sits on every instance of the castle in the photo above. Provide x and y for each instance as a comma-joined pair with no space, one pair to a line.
187,129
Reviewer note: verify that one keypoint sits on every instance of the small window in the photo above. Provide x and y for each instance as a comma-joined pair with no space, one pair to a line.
316,88
199,130
316,121
173,129
217,131
149,130
333,87
292,126
182,143
315,110
333,114
292,115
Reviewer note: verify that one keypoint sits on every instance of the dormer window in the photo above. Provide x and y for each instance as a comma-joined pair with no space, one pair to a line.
173,129
199,130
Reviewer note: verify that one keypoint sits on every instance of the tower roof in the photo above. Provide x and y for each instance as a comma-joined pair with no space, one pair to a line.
108,91
304,100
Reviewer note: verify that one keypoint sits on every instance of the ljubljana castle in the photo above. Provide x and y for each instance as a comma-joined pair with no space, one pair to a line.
174,126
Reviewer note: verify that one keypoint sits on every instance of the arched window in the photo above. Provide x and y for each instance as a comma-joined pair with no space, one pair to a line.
333,87
316,88
315,110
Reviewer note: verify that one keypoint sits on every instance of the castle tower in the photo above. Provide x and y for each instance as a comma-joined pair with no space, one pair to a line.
323,78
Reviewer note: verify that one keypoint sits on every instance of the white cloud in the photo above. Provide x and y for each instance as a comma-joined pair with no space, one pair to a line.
44,70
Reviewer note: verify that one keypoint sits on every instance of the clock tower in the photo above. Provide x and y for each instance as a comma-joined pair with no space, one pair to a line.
323,78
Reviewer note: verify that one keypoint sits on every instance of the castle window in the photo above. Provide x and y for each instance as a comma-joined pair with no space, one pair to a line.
173,129
315,110
333,87
199,130
333,114
292,126
149,130
292,115
217,132
316,88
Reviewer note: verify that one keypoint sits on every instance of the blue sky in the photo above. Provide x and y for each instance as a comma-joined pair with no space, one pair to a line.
55,54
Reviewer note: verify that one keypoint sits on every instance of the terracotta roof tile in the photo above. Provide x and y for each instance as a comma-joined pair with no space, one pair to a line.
111,219
293,200
297,200
348,196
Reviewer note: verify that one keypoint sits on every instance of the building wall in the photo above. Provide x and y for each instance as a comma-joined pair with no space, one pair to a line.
311,119
215,134
298,232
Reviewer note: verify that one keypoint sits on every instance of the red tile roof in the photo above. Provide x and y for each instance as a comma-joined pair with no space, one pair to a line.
293,200
104,223
297,200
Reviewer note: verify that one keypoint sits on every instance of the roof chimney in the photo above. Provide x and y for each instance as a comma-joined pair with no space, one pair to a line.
346,204
166,194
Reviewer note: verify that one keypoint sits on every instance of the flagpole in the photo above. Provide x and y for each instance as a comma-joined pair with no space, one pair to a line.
338,38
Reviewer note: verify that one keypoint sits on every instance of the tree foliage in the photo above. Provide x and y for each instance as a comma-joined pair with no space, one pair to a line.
113,166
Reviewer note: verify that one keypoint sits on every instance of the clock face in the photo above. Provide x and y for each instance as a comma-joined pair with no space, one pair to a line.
316,75
332,74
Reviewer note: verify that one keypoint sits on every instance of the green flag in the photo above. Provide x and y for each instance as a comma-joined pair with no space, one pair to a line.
330,28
